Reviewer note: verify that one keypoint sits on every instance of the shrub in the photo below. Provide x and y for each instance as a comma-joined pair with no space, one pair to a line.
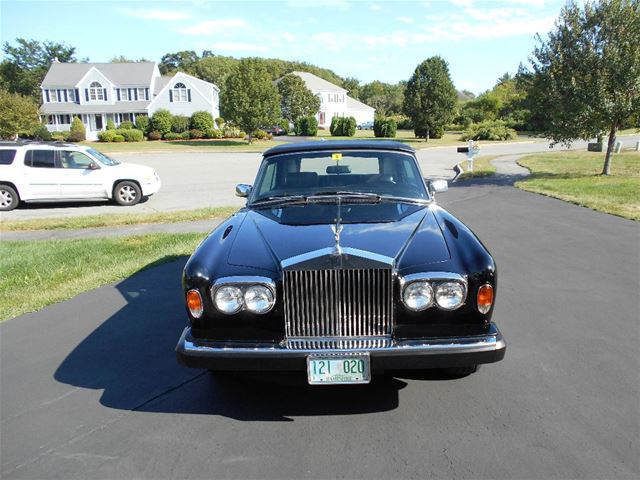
385,127
489,130
307,126
195,134
184,136
107,136
142,123
284,125
202,121
215,133
219,122
261,135
343,126
171,136
110,126
60,136
436,132
179,124
118,138
130,134
231,131
154,135
41,133
404,123
126,125
161,121
77,132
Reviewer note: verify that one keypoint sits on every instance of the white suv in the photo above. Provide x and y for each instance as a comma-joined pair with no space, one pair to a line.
45,172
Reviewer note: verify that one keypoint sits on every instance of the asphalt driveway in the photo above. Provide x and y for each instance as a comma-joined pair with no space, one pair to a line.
89,388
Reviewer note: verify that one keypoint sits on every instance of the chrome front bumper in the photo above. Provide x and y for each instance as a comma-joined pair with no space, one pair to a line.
397,354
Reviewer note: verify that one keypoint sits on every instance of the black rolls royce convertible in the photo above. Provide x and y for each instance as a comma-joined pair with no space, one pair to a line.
341,264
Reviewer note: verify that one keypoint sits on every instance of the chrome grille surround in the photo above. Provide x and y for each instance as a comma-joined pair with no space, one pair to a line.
331,305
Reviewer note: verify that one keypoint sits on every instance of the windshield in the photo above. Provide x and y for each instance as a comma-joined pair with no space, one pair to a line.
305,174
103,158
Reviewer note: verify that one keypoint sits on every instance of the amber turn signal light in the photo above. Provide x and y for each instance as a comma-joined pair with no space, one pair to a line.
194,303
485,298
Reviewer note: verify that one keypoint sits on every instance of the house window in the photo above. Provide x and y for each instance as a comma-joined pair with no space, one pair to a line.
71,95
124,94
64,119
180,93
53,96
141,95
95,91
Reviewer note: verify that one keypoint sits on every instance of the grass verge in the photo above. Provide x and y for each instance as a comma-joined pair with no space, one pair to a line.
39,273
575,177
482,167
116,220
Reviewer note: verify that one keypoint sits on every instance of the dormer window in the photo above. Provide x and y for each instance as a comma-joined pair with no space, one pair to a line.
96,92
180,93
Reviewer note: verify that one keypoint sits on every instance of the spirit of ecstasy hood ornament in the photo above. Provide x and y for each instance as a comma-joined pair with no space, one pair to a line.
337,228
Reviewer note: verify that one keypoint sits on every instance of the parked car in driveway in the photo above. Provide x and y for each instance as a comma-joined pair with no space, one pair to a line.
340,265
275,130
365,126
54,171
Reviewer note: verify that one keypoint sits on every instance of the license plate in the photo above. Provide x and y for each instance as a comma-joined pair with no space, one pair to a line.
336,369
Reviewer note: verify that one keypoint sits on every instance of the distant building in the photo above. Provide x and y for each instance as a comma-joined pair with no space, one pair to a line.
97,92
334,101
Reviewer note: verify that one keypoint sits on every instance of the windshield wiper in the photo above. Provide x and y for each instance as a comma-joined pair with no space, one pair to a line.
279,200
413,201
344,196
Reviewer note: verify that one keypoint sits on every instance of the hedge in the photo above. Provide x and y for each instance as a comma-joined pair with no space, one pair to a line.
202,121
307,126
343,126
385,127
489,130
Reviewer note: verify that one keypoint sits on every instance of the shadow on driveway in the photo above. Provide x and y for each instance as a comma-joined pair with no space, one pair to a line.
130,356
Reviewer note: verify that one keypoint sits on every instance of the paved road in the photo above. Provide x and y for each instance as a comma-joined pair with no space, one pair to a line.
89,388
192,180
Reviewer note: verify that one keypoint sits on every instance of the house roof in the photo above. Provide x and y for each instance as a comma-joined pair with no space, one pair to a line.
69,74
353,104
317,84
339,145
74,108
161,82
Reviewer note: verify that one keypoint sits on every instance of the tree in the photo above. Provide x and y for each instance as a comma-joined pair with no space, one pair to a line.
17,114
386,98
215,69
184,60
125,59
586,75
430,97
26,64
296,99
352,85
77,131
251,100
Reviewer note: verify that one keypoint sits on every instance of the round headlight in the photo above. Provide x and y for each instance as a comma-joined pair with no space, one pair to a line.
258,299
418,296
228,299
449,295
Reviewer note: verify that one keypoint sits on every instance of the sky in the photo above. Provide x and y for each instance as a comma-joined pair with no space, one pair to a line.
368,40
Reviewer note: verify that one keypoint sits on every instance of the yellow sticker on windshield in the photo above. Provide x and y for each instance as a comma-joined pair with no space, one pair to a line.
336,156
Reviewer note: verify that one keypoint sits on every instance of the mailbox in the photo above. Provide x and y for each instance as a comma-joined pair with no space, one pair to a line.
463,149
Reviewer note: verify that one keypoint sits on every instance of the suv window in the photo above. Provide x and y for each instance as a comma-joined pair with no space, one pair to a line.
40,158
7,156
71,159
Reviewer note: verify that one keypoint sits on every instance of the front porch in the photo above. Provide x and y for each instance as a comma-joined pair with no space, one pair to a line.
93,122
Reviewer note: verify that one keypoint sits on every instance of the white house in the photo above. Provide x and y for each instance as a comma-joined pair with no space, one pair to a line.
334,101
97,92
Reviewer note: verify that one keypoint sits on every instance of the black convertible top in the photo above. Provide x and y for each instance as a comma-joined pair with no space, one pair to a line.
338,145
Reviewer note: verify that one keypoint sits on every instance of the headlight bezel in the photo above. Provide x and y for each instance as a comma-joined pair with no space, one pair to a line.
244,284
434,279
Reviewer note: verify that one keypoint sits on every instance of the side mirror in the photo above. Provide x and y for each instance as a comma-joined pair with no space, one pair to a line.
243,190
94,166
437,186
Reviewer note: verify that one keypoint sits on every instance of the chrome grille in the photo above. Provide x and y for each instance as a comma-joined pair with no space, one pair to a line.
338,303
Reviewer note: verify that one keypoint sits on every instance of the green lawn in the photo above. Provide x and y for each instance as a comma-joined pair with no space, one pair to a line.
575,177
481,168
116,220
38,273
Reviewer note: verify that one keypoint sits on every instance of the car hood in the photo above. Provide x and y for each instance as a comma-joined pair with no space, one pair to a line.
408,234
133,169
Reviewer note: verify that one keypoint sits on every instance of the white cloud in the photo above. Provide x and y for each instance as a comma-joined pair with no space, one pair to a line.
405,19
169,15
462,3
212,27
238,47
329,40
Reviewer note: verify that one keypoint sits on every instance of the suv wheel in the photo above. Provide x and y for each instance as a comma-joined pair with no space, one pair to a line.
127,193
8,198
